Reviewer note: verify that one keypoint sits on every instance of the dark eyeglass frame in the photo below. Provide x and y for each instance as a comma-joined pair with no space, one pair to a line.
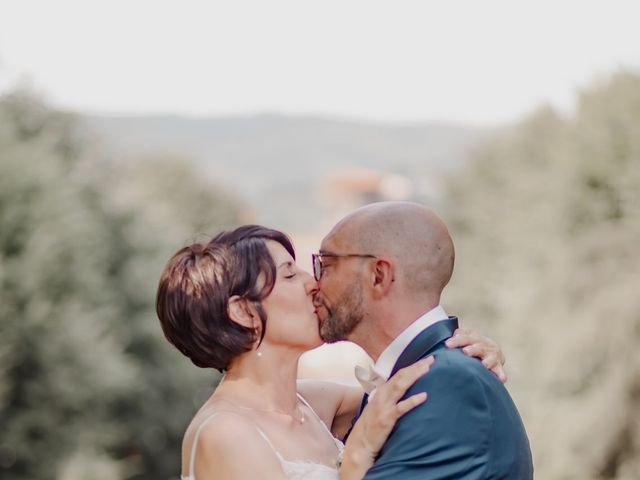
316,260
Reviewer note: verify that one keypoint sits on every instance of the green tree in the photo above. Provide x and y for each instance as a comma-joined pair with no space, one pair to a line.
547,223
89,388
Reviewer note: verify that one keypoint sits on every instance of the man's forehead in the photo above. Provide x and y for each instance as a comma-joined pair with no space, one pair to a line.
334,242
343,234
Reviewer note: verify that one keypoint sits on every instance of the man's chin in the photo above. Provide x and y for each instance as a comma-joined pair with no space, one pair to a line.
323,332
330,340
322,316
329,335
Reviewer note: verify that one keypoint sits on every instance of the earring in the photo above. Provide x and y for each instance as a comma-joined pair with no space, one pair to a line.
259,354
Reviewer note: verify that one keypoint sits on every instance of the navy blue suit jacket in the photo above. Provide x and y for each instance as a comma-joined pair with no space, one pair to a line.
468,429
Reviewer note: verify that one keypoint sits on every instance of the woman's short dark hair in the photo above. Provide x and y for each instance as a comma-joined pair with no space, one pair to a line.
197,283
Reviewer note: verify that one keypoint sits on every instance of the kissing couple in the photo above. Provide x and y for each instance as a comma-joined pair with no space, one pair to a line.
427,409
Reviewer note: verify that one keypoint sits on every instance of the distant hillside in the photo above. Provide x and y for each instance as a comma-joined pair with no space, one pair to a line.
278,162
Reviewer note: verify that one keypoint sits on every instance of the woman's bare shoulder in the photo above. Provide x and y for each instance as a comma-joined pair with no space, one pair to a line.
223,439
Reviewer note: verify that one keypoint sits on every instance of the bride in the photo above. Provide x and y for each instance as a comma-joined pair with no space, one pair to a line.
240,304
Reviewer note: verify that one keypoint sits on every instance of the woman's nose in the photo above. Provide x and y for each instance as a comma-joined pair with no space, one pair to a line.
310,284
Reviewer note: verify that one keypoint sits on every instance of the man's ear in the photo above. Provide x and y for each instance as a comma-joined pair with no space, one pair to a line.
240,312
383,276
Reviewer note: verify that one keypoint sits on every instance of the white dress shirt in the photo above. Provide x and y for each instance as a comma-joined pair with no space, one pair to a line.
380,371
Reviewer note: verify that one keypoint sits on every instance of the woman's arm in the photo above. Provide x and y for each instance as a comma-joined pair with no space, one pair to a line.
337,403
483,348
351,400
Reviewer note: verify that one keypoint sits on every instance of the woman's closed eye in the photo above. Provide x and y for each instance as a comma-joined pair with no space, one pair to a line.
288,270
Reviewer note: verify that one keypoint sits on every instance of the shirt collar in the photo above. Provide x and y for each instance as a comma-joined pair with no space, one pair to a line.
390,355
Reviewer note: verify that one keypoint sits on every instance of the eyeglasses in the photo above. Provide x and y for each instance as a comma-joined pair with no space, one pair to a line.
317,260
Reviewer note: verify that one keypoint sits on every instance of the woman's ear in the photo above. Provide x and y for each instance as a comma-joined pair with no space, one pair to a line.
240,312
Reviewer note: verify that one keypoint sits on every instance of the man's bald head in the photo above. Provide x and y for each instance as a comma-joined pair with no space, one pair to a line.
413,236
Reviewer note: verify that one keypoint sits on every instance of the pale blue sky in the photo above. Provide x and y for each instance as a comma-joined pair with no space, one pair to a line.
471,61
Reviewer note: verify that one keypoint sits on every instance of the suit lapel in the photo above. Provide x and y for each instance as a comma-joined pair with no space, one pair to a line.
418,348
425,342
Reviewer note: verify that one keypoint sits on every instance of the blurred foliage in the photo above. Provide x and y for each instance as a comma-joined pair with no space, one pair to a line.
546,219
89,388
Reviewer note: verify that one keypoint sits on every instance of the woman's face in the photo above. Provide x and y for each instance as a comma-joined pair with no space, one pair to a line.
291,317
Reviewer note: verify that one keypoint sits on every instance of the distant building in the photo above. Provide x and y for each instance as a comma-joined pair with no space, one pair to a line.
350,188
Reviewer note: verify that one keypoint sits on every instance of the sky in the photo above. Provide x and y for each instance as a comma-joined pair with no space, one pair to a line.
466,61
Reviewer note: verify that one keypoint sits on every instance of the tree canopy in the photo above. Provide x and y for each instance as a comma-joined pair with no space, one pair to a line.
547,222
89,388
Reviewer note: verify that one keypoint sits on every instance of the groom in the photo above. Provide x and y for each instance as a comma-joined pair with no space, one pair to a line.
381,271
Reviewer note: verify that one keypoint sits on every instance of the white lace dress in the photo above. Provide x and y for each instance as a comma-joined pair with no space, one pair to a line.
294,470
